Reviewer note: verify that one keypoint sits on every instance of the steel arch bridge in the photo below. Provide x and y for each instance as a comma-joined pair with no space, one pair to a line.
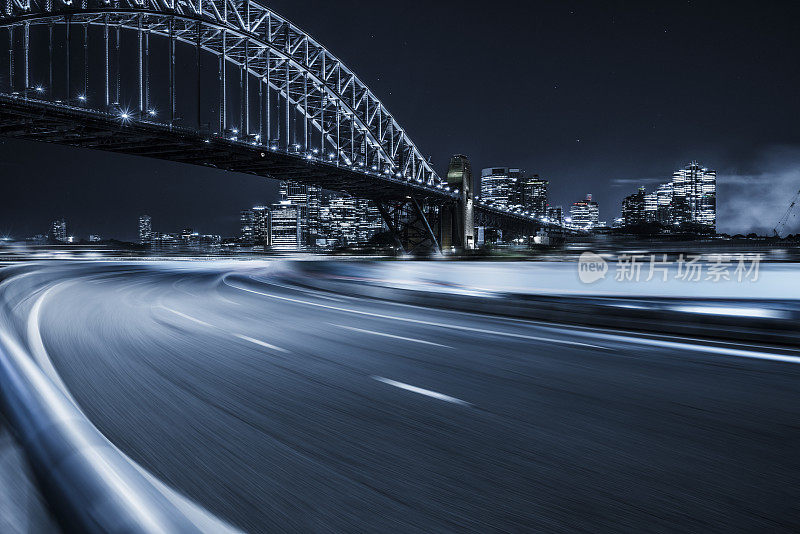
270,100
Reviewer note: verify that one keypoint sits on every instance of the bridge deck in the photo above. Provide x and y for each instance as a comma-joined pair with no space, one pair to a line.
43,121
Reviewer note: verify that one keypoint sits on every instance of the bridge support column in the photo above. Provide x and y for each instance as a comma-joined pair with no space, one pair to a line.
107,70
50,59
140,71
457,219
85,92
26,28
68,58
11,59
411,226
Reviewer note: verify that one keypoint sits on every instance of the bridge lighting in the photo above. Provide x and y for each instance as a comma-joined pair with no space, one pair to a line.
39,89
257,137
82,98
399,174
152,112
308,156
374,168
124,115
235,131
315,151
331,155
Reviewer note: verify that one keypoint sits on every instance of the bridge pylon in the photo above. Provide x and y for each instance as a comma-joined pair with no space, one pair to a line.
457,220
423,228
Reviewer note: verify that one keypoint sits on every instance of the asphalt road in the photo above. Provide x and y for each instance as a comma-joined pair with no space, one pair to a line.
283,409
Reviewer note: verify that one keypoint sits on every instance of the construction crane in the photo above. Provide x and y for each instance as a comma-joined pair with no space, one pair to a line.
790,213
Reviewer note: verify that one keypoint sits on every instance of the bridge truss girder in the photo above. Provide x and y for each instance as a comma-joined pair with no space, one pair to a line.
283,73
413,224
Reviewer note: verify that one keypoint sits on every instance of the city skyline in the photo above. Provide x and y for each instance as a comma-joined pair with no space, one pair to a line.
682,200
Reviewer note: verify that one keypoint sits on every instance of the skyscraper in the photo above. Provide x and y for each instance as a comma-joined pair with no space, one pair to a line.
633,208
533,192
255,226
498,185
247,226
664,201
262,222
555,214
58,230
286,230
145,230
585,214
694,196
307,198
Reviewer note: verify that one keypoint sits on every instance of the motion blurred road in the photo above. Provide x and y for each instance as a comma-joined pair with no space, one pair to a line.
279,408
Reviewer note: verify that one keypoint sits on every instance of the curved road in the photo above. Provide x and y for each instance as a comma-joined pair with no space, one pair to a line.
283,409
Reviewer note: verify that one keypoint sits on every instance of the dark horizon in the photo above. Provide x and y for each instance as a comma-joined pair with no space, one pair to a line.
596,99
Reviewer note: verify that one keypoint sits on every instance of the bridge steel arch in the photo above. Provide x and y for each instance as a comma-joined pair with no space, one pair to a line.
295,111
294,93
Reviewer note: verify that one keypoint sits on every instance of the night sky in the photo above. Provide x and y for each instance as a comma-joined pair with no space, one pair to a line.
598,97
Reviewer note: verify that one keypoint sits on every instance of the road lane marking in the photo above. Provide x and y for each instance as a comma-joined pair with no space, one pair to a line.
240,336
315,294
374,333
426,392
739,353
261,343
189,317
417,321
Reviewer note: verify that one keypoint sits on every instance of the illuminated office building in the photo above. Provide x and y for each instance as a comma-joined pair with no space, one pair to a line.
247,227
694,196
145,230
633,208
555,214
585,214
532,195
499,186
286,231
307,198
58,230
